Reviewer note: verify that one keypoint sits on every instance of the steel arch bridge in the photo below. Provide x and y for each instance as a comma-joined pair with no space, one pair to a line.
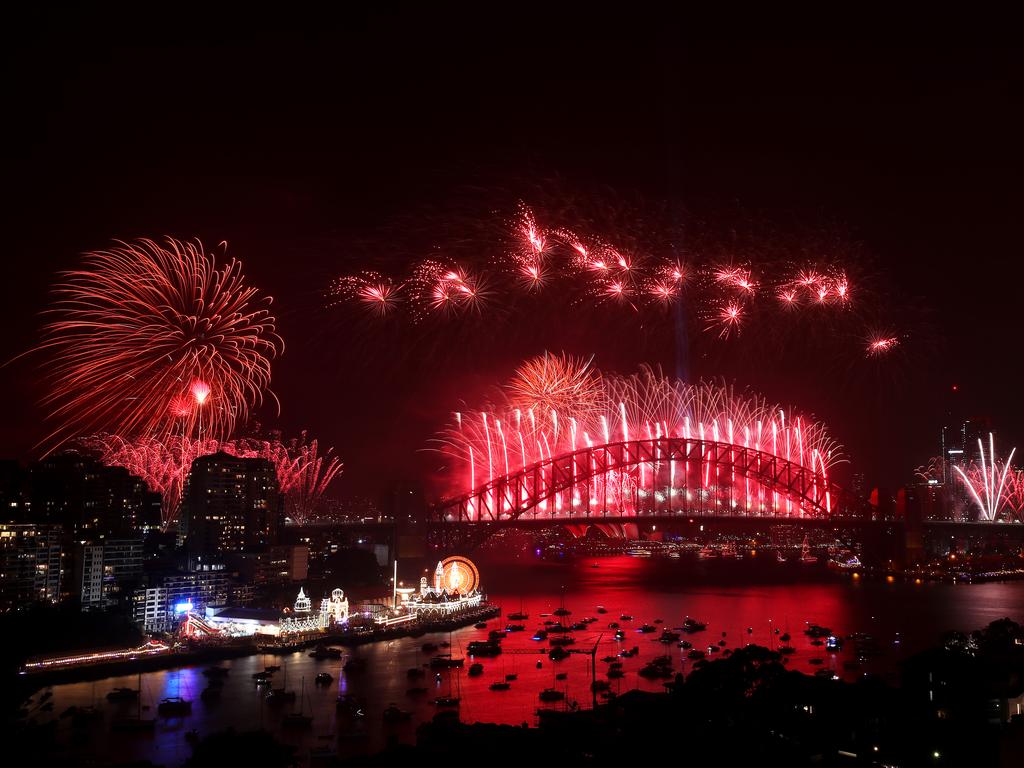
657,477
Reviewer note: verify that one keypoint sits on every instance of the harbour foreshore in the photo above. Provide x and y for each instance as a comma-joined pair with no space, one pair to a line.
212,651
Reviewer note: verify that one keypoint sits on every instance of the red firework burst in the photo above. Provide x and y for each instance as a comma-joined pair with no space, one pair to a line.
880,345
303,472
728,318
1014,495
377,293
152,339
561,383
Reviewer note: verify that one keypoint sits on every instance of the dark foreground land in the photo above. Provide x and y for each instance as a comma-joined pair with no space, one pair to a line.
957,706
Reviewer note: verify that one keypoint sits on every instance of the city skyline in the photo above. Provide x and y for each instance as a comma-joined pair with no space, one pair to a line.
560,383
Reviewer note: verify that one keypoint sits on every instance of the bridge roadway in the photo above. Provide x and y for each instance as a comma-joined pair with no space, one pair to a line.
413,538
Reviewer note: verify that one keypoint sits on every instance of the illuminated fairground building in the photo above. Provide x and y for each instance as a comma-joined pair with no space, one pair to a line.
456,588
246,622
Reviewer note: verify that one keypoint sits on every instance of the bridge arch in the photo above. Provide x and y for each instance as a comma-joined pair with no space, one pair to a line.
661,476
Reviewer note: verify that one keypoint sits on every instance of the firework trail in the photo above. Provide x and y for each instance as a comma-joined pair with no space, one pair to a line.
303,472
502,440
986,480
155,339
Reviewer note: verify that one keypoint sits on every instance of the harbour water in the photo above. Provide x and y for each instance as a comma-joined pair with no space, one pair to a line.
741,602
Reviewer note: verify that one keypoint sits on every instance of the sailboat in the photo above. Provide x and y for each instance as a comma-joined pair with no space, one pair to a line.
174,706
450,700
519,615
504,682
87,715
446,660
562,610
299,719
282,694
134,722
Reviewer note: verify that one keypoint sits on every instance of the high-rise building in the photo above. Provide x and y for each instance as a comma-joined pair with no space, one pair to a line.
283,562
30,564
15,504
959,445
90,500
106,571
230,504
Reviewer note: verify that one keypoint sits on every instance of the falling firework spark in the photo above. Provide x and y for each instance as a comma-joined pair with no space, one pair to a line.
153,339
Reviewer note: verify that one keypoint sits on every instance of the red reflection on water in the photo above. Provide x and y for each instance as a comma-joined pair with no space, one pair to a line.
746,600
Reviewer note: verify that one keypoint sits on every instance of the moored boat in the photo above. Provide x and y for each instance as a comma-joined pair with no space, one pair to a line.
692,625
174,706
355,665
558,653
445,661
123,694
481,648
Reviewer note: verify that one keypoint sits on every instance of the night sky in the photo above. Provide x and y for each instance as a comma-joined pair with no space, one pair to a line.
293,139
